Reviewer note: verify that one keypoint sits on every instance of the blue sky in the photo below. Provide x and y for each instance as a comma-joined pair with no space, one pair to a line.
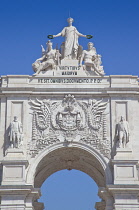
25,25
70,190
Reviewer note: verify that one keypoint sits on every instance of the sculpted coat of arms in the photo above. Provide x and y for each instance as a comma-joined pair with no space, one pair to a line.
69,120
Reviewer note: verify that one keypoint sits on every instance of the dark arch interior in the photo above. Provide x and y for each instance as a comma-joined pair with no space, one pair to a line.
69,158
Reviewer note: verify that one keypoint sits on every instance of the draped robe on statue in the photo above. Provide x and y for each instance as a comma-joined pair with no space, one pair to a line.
71,40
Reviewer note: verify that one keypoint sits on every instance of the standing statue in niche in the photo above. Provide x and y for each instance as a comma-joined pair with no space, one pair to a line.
123,132
92,60
49,59
16,135
71,44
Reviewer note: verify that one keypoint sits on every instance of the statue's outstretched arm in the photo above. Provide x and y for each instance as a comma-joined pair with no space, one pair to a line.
82,35
79,34
59,34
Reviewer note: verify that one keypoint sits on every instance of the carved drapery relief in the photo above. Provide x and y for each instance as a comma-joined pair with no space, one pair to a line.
69,120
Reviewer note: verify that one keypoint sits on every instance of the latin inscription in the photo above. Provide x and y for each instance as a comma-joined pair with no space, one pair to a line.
69,73
69,68
70,80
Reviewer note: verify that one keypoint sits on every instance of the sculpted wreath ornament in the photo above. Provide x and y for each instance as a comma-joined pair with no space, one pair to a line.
50,36
89,36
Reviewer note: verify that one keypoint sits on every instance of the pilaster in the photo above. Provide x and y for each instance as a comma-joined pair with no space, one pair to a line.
107,197
18,197
125,190
125,196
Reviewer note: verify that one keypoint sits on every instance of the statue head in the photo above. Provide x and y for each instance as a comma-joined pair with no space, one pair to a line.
90,45
49,45
122,119
15,118
70,20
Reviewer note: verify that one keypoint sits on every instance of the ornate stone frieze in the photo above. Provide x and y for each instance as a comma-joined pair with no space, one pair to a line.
69,120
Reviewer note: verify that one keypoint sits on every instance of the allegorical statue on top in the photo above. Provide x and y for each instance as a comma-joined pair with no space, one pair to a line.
69,53
92,59
50,58
71,40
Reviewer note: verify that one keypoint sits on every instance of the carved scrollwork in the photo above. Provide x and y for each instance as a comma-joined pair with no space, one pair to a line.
41,113
69,120
41,118
95,111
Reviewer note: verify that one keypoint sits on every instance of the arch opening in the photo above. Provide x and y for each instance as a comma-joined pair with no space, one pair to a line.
70,158
69,190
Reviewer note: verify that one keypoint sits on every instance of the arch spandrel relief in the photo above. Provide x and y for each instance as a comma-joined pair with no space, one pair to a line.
70,120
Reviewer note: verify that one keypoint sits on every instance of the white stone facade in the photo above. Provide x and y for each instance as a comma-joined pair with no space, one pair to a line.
69,123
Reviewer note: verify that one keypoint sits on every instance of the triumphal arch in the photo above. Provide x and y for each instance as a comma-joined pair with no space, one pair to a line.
69,115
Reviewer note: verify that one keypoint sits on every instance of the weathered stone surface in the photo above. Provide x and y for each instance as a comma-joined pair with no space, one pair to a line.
70,123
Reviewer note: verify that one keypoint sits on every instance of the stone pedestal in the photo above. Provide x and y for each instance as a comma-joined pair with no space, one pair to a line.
125,167
14,153
125,190
18,197
14,166
69,62
125,196
123,153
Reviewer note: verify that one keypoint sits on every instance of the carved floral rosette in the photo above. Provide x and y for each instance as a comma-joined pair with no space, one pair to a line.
69,120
